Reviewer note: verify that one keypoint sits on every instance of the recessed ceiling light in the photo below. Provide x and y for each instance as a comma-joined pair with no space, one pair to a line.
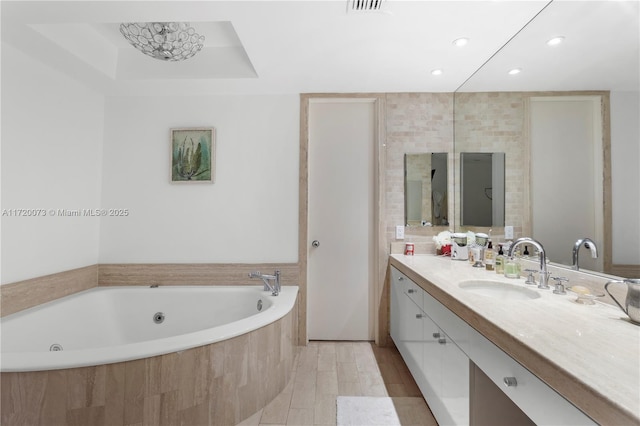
515,71
555,41
459,42
436,72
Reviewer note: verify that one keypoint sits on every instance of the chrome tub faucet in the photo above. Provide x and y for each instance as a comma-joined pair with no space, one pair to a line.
273,288
588,243
544,275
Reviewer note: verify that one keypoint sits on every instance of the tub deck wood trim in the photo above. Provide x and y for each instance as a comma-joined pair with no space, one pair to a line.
192,273
15,297
26,294
218,384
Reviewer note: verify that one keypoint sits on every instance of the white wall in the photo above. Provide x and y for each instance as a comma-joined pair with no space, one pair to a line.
250,213
52,130
563,157
625,176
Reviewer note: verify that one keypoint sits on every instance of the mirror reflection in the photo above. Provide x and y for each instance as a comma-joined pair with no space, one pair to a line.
425,188
599,56
482,188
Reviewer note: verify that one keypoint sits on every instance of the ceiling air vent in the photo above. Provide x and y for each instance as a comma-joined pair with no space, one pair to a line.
364,5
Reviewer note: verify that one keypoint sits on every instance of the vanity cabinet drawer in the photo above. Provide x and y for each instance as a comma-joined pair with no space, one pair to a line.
439,367
406,323
542,404
415,292
411,289
453,325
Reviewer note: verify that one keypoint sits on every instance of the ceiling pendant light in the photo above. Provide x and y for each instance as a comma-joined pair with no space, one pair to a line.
167,41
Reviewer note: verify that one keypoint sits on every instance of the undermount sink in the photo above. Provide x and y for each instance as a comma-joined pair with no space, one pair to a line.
498,290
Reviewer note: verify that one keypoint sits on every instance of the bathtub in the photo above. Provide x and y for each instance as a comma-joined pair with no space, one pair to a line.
166,355
113,324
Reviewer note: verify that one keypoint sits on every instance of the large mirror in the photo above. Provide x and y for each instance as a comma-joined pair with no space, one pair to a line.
425,189
598,56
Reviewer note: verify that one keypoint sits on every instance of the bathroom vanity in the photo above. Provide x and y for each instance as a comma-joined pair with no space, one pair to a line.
485,349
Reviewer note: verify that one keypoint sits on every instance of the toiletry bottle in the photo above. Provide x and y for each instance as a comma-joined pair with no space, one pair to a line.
499,263
488,257
511,268
525,253
517,256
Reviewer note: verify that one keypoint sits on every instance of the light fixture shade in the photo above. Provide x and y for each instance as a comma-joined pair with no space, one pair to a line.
167,41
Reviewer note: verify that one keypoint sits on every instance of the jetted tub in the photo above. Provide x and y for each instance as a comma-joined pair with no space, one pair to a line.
230,339
112,324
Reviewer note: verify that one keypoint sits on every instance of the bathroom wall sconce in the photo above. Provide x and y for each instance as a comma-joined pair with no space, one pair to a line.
166,41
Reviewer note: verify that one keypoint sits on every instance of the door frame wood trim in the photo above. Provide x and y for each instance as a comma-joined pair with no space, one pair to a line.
303,199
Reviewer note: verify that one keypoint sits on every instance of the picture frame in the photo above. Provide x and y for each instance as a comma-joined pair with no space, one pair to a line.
193,155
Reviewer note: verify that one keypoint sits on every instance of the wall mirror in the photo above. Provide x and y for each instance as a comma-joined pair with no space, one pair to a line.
425,189
598,56
482,188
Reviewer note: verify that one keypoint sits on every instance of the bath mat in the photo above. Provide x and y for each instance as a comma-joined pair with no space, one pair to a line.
366,411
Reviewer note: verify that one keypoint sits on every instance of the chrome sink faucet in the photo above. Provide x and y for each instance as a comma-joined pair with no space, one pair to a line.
588,243
544,275
275,288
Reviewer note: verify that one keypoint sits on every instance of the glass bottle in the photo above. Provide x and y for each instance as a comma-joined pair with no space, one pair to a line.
512,267
488,257
499,262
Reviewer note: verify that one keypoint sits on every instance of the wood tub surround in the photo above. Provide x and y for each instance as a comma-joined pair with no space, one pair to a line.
218,384
564,344
21,295
25,294
192,273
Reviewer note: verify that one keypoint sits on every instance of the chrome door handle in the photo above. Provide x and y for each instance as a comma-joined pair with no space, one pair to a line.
418,316
411,290
315,243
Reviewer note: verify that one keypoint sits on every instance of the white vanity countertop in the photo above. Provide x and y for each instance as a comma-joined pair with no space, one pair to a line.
588,353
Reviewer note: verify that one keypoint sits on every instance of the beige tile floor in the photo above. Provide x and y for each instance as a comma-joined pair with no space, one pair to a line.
325,370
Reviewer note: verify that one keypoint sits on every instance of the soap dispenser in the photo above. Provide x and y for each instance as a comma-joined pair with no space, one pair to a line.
488,257
499,262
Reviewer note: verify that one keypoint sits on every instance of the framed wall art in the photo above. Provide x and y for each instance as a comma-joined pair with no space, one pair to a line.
193,155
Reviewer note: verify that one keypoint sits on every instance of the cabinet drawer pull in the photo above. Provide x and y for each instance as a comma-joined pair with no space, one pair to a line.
418,316
442,340
411,291
510,382
436,335
401,279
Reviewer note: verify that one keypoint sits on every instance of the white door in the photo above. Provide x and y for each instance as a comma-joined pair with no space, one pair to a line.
566,158
340,219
